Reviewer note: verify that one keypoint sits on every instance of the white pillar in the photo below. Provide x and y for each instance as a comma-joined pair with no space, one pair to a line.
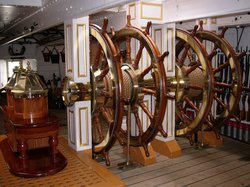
164,36
139,12
78,68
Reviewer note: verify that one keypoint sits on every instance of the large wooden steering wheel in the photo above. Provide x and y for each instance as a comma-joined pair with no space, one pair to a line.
194,66
226,88
105,90
139,83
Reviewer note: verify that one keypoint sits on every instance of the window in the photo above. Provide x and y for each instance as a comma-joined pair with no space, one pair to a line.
3,73
7,66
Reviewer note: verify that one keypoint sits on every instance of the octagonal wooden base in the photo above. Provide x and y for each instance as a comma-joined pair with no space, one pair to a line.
39,162
137,154
171,148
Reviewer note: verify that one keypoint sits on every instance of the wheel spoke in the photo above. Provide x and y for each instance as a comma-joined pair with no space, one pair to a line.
106,116
190,103
184,117
222,84
209,123
138,121
183,56
190,56
128,50
138,56
145,109
117,46
221,67
103,74
148,91
195,87
213,53
146,71
98,126
193,67
220,102
97,58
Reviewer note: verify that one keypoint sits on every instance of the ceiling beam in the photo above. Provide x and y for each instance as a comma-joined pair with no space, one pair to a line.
56,12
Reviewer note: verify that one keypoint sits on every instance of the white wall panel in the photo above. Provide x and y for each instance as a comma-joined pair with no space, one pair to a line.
78,67
180,10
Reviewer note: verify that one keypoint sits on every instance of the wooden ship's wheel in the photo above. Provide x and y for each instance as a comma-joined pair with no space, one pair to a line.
139,83
227,78
118,88
105,91
193,100
224,79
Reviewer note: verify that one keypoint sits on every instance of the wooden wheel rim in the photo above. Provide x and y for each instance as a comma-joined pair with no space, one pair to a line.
114,67
234,65
207,94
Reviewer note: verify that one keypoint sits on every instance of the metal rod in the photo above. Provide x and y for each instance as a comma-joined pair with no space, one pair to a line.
128,132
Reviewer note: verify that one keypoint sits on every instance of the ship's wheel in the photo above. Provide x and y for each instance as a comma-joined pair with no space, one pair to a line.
227,77
193,66
140,83
105,91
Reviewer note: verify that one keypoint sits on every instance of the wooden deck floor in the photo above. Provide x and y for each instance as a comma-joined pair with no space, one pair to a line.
228,165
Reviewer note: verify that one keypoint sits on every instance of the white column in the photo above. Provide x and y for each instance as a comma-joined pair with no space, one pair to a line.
78,68
141,13
164,37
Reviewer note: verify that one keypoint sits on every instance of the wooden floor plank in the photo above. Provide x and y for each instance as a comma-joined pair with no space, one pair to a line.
173,165
243,180
166,162
208,174
180,170
232,174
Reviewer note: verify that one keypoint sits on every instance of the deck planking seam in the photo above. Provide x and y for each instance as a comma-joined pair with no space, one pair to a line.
162,172
168,163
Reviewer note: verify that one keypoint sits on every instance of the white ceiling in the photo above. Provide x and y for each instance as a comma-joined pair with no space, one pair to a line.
11,14
19,18
13,11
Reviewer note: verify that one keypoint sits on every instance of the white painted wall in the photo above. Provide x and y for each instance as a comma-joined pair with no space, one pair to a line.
180,10
116,19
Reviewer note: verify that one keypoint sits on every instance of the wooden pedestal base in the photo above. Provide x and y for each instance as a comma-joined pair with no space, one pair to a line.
137,154
170,149
39,162
210,139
